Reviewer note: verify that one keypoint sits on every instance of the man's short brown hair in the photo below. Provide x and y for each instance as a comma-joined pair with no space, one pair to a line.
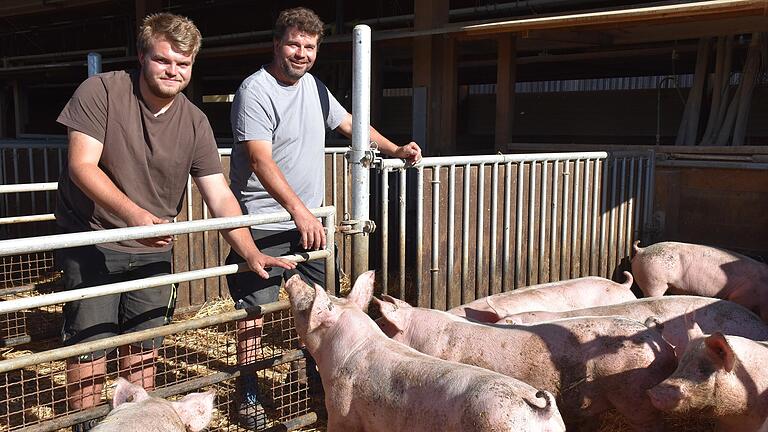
179,31
303,19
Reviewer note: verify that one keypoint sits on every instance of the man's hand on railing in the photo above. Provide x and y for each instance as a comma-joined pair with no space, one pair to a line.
142,217
259,262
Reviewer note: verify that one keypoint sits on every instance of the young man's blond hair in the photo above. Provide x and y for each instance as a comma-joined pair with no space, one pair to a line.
179,31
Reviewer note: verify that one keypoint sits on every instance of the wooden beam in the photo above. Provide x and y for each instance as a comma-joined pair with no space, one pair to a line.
24,7
506,77
427,73
448,102
691,30
666,13
589,38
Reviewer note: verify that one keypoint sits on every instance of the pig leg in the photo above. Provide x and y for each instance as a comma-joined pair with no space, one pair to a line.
650,284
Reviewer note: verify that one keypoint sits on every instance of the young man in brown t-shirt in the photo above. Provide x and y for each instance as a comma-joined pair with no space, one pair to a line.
133,140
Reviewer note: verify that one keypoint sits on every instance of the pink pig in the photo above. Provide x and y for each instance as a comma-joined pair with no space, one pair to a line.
591,364
374,384
554,296
683,268
674,314
134,410
721,378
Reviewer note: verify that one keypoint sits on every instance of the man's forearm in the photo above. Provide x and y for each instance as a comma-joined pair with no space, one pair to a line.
97,186
383,144
224,204
274,182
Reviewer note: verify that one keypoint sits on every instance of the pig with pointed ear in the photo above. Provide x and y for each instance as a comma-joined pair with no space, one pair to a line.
375,384
719,377
134,410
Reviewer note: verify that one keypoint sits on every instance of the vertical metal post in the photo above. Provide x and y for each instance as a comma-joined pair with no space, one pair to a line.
94,64
505,260
492,281
330,260
519,223
564,228
449,297
649,194
479,231
529,279
542,221
465,233
384,230
553,224
583,253
419,234
361,111
402,184
574,261
434,268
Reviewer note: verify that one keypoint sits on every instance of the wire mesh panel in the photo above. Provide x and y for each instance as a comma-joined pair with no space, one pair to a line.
38,396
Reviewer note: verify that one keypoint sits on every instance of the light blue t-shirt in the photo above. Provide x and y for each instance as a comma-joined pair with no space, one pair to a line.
291,118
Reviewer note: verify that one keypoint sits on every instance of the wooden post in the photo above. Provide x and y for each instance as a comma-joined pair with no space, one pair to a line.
429,67
448,95
506,78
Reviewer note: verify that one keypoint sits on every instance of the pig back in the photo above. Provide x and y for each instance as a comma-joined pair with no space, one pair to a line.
551,297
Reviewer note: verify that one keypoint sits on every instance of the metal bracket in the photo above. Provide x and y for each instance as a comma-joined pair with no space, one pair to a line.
367,158
354,227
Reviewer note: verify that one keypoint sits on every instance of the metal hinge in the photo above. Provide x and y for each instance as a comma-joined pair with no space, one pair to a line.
353,227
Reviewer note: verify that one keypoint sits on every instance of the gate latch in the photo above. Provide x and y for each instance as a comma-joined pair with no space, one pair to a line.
353,227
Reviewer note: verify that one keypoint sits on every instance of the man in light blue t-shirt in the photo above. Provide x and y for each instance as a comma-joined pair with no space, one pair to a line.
278,163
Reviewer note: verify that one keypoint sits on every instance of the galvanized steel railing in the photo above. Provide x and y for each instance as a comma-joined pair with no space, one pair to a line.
518,220
59,241
225,373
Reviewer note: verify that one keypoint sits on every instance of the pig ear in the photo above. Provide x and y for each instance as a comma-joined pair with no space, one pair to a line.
322,310
719,347
389,313
694,332
127,392
362,291
496,315
195,410
396,301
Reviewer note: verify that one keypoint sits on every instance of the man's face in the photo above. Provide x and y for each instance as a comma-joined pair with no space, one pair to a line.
295,54
165,70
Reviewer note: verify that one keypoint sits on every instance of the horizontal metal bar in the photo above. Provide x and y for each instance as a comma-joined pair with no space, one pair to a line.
59,241
134,337
140,284
271,362
294,424
712,164
489,159
28,187
29,218
227,151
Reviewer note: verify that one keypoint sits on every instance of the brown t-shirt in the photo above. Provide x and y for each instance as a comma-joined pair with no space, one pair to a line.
147,157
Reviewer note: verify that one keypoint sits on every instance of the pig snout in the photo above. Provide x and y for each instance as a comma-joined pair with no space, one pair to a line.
666,396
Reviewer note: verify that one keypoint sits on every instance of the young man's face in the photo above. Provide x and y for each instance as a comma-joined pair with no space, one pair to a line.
295,54
165,71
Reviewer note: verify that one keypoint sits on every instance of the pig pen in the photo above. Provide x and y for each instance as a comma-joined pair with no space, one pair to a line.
449,231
